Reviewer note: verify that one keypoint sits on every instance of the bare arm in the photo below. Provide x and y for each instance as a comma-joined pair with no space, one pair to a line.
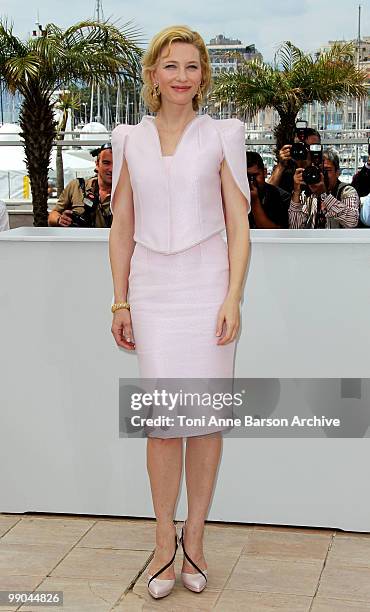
283,158
121,247
237,229
276,175
53,217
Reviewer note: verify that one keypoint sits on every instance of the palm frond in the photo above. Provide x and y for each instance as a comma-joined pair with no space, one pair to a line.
19,71
98,32
294,80
88,51
48,49
287,56
10,44
67,100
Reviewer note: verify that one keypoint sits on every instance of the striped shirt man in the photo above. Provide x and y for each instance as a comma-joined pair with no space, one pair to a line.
341,211
327,203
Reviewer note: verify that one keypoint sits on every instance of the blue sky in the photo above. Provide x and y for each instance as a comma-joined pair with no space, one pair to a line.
308,23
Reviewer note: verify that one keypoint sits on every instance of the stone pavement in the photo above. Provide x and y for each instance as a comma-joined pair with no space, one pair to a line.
100,565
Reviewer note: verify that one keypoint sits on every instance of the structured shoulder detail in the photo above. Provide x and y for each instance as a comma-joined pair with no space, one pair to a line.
121,130
228,125
119,137
232,135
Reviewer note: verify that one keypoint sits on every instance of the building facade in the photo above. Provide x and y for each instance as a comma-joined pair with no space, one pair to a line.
352,115
226,54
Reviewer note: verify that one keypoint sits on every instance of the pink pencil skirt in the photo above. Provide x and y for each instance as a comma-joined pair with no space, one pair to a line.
175,300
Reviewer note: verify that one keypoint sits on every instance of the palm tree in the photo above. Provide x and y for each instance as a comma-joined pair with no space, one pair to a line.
67,101
88,52
294,79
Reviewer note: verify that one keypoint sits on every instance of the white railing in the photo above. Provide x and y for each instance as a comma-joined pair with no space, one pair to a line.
351,145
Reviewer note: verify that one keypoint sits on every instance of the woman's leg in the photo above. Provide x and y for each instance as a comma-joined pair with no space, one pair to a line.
164,463
201,461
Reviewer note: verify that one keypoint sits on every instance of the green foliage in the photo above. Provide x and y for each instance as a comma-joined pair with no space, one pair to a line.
293,80
87,53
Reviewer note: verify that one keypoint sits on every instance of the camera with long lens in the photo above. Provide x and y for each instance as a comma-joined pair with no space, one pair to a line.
85,219
299,149
312,174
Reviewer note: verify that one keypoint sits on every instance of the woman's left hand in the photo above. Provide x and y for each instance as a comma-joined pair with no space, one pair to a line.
229,320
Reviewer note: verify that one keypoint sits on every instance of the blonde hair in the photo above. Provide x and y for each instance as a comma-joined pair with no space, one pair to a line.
150,61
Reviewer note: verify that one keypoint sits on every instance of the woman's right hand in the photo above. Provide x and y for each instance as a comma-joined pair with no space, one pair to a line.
122,329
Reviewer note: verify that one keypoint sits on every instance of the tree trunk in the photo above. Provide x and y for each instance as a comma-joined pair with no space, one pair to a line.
59,170
285,131
38,130
59,158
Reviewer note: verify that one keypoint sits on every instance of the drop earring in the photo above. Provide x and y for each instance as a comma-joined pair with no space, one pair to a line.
155,90
199,93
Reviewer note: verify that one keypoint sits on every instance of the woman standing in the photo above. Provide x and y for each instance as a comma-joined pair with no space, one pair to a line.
177,177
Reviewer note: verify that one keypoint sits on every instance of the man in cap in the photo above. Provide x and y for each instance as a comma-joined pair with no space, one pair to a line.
87,203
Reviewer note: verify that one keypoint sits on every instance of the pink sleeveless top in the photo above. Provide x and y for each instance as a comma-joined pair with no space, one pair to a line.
179,204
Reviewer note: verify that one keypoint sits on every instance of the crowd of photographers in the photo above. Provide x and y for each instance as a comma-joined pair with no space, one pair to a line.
304,190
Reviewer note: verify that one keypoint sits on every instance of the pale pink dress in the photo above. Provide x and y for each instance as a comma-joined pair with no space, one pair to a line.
179,270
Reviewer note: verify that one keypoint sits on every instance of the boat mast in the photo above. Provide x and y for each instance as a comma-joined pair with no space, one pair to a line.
99,16
92,104
118,102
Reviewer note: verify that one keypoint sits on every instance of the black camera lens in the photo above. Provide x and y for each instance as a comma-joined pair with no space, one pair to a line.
311,175
299,151
80,220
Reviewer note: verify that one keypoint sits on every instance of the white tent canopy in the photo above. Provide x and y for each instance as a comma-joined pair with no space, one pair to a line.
10,131
13,169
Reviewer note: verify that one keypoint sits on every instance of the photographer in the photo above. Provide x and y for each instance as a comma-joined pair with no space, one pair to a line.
361,180
87,203
283,172
325,202
269,204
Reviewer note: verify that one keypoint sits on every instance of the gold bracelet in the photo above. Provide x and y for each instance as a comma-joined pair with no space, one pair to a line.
119,305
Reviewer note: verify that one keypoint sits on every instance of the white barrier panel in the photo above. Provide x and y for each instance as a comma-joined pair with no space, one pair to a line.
305,315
